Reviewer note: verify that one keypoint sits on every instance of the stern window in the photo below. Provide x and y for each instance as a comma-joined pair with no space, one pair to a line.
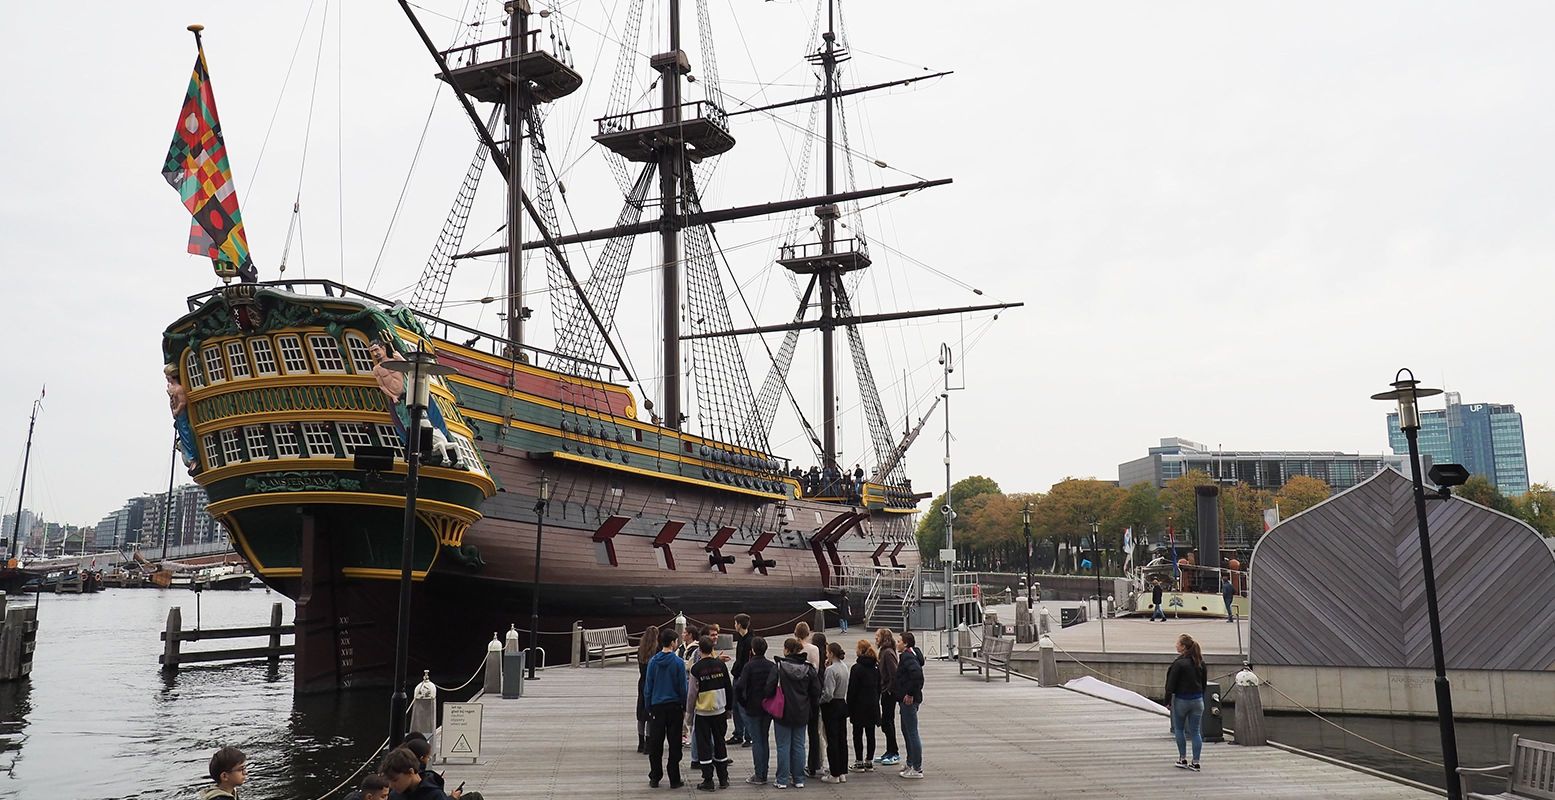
258,445
354,436
319,439
192,367
215,370
264,356
285,440
390,438
212,453
231,450
237,358
361,359
291,354
326,353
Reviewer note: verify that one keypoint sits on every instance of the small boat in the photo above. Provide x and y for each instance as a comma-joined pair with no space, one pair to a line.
1178,598
225,577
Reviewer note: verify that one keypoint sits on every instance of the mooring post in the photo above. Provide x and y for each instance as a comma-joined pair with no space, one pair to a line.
275,636
423,708
1047,674
577,642
492,683
175,629
1045,627
1249,710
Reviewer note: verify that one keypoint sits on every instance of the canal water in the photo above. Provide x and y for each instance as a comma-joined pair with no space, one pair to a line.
99,720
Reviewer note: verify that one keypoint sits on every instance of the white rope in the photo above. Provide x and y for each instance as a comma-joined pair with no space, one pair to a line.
1292,700
471,680
354,773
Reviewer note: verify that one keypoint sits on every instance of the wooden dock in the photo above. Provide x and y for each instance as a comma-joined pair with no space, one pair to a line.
573,735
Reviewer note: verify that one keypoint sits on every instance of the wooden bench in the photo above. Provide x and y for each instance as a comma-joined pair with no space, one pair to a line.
993,654
1530,776
607,643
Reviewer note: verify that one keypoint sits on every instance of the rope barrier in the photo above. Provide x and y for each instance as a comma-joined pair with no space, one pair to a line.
1349,732
1099,672
356,772
471,680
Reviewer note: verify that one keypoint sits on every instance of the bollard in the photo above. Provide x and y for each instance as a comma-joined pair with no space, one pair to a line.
492,673
1249,710
512,674
1047,670
275,636
175,627
423,708
577,643
1213,725
1045,626
511,646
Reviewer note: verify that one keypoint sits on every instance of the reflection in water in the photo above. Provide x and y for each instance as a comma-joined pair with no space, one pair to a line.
100,720
1480,744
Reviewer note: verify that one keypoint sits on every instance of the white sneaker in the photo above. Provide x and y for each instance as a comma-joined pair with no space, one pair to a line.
913,774
829,779
842,779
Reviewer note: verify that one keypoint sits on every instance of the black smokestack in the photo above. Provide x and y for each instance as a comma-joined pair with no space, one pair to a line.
1207,504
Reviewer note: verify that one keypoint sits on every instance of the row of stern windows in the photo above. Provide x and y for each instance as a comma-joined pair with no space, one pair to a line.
296,440
285,354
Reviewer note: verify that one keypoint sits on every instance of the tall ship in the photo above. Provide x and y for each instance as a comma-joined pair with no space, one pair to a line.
637,506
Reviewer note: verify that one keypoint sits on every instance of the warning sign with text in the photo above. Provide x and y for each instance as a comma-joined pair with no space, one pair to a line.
461,736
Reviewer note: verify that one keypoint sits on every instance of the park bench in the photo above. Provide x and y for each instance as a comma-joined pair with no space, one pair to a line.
992,654
607,643
1530,776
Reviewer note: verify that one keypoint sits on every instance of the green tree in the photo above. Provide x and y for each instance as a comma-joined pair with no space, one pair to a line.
1537,508
1241,511
1065,513
931,526
1479,489
1301,493
1179,503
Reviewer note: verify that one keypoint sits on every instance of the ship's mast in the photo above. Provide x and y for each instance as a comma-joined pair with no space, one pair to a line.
517,108
828,275
14,551
671,66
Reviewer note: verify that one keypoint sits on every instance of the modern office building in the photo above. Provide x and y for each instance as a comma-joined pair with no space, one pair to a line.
1260,469
1486,438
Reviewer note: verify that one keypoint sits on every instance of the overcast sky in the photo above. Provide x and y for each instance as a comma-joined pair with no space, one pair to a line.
1230,221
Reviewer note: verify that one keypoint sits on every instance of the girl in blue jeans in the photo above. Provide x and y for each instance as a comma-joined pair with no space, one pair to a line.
1185,680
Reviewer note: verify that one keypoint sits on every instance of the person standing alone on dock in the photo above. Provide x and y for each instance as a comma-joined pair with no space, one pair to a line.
664,689
1228,592
908,688
1157,594
885,640
708,701
1185,680
750,689
229,769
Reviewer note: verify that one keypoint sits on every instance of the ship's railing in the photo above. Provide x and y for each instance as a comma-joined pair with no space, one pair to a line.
488,50
436,326
789,252
648,118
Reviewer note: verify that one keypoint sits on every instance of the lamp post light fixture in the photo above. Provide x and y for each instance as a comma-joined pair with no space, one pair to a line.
1101,599
541,502
419,367
1407,393
1025,519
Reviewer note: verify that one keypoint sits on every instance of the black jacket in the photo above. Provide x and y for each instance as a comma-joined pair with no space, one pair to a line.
888,664
909,677
742,652
1184,677
801,686
1155,594
864,691
754,685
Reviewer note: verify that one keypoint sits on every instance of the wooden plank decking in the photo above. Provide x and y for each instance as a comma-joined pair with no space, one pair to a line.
574,736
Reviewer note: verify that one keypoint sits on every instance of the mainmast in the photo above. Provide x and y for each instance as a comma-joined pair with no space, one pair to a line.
830,59
671,156
14,550
517,108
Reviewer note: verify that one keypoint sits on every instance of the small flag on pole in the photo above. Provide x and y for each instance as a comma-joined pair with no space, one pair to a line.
1128,547
1271,518
196,165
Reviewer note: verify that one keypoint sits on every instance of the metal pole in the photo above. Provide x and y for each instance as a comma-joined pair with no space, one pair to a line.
950,516
397,701
1443,689
534,594
1027,524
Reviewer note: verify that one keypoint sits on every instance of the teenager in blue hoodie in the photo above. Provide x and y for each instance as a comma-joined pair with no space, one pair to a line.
664,691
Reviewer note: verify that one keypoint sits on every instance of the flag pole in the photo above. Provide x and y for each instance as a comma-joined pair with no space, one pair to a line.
195,29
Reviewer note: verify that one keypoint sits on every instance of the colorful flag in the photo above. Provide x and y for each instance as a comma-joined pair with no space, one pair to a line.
1128,547
197,167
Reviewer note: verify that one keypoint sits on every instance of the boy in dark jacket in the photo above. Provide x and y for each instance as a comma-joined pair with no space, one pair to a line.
664,690
742,655
864,705
708,701
908,688
749,690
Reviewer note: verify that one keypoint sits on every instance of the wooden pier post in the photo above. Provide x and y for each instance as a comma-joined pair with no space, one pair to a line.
1249,710
173,636
577,643
275,636
1047,672
423,708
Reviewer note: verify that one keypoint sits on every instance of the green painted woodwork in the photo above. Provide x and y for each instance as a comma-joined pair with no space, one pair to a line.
274,399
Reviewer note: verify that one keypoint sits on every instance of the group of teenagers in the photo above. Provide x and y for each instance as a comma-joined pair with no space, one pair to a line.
806,695
404,774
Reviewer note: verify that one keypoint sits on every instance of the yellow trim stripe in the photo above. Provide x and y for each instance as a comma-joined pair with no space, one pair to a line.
231,504
478,479
666,476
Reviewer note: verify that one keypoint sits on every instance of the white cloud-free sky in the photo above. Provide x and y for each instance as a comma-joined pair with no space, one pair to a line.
1230,221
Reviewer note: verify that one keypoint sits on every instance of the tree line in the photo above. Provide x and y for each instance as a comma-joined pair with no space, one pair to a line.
989,533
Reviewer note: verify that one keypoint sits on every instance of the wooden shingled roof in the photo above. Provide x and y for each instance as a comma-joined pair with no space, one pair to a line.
1341,584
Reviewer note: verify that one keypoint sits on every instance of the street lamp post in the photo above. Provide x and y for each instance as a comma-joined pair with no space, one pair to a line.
534,594
1407,392
1025,519
419,367
1101,601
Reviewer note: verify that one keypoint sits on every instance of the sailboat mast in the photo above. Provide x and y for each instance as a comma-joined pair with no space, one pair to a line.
12,551
828,276
671,65
517,106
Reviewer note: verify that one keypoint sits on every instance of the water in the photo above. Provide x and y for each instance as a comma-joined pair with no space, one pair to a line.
1480,744
99,720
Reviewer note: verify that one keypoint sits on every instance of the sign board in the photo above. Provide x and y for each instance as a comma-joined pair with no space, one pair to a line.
933,644
822,605
947,555
461,734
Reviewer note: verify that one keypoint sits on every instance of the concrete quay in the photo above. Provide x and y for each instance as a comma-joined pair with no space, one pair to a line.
573,735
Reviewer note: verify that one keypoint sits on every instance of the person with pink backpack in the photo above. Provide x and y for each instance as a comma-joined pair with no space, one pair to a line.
792,692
